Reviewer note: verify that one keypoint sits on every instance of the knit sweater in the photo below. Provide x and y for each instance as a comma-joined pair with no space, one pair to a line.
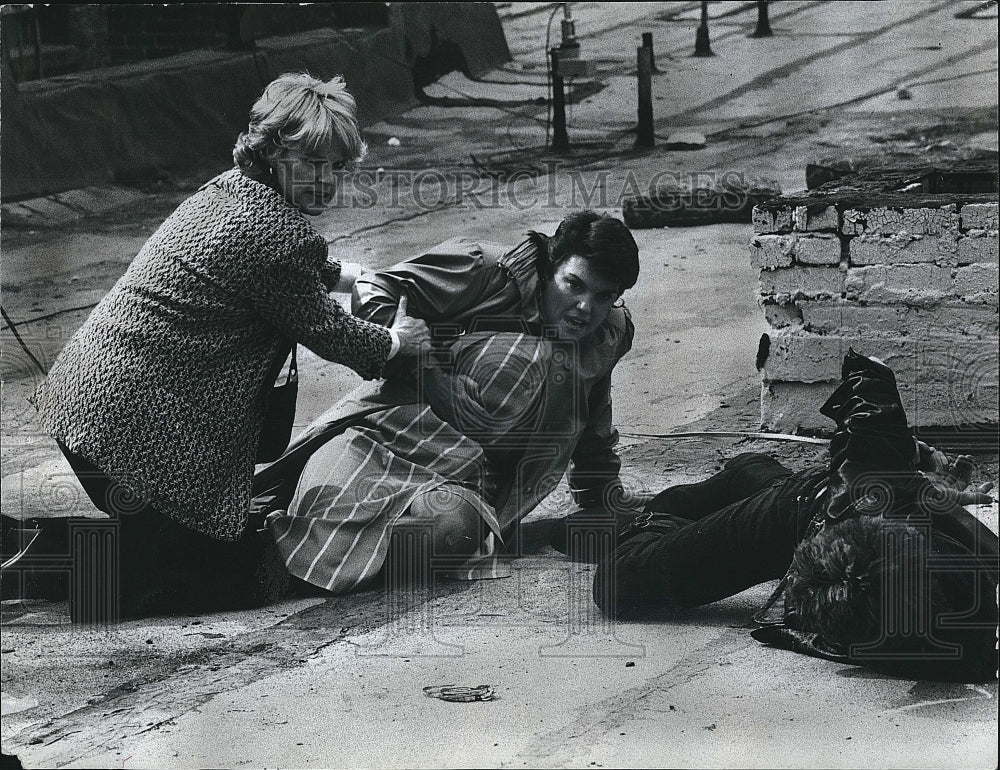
165,385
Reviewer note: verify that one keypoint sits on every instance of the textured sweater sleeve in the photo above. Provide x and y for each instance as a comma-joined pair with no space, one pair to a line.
293,298
329,273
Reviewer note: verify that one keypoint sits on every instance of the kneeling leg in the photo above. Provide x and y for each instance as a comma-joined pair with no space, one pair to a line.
455,523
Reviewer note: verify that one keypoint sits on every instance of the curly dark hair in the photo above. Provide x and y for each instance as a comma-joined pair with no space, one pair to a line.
840,579
867,586
605,242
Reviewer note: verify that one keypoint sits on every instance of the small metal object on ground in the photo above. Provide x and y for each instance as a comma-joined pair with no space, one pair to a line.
456,694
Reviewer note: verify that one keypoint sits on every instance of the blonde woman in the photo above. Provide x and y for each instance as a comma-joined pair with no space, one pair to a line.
158,399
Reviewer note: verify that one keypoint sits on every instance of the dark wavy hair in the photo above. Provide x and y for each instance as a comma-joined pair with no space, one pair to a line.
605,242
838,578
866,585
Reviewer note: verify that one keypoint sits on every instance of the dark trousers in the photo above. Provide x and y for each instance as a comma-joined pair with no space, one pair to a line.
163,566
706,541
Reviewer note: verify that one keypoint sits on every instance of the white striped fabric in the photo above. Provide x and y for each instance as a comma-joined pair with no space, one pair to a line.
356,487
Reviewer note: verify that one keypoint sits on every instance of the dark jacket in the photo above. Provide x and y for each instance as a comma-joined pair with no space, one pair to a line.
873,473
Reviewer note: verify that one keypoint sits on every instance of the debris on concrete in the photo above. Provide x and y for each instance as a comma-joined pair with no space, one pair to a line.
455,694
685,140
924,144
692,202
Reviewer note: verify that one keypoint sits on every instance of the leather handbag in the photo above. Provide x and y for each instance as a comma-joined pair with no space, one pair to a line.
279,417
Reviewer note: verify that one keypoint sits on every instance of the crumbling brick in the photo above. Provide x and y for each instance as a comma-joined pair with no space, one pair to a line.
951,403
902,249
954,384
783,316
977,284
942,322
977,246
917,285
766,221
892,221
810,218
802,357
797,356
980,216
770,251
797,282
914,282
817,249
791,407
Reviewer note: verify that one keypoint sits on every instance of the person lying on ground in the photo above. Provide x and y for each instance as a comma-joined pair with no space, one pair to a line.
879,562
158,400
471,441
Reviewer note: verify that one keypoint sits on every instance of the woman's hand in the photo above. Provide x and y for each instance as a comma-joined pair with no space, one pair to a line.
414,336
349,273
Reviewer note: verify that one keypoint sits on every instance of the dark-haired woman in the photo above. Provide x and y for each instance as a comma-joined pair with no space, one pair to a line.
473,441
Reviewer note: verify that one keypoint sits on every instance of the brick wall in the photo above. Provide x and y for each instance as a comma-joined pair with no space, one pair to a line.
899,269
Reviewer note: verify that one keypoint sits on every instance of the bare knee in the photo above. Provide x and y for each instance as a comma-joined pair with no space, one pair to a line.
455,522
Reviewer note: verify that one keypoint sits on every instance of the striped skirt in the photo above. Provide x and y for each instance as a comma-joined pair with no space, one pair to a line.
355,487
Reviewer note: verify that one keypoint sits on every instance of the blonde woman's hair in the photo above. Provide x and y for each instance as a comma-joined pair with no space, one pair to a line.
300,112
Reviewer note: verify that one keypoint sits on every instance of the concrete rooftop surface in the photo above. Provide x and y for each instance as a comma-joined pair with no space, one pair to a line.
339,681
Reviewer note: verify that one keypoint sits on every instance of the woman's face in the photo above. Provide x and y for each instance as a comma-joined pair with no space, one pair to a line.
307,182
577,299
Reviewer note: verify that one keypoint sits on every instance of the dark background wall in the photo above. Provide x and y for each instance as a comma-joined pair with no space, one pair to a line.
177,82
47,40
